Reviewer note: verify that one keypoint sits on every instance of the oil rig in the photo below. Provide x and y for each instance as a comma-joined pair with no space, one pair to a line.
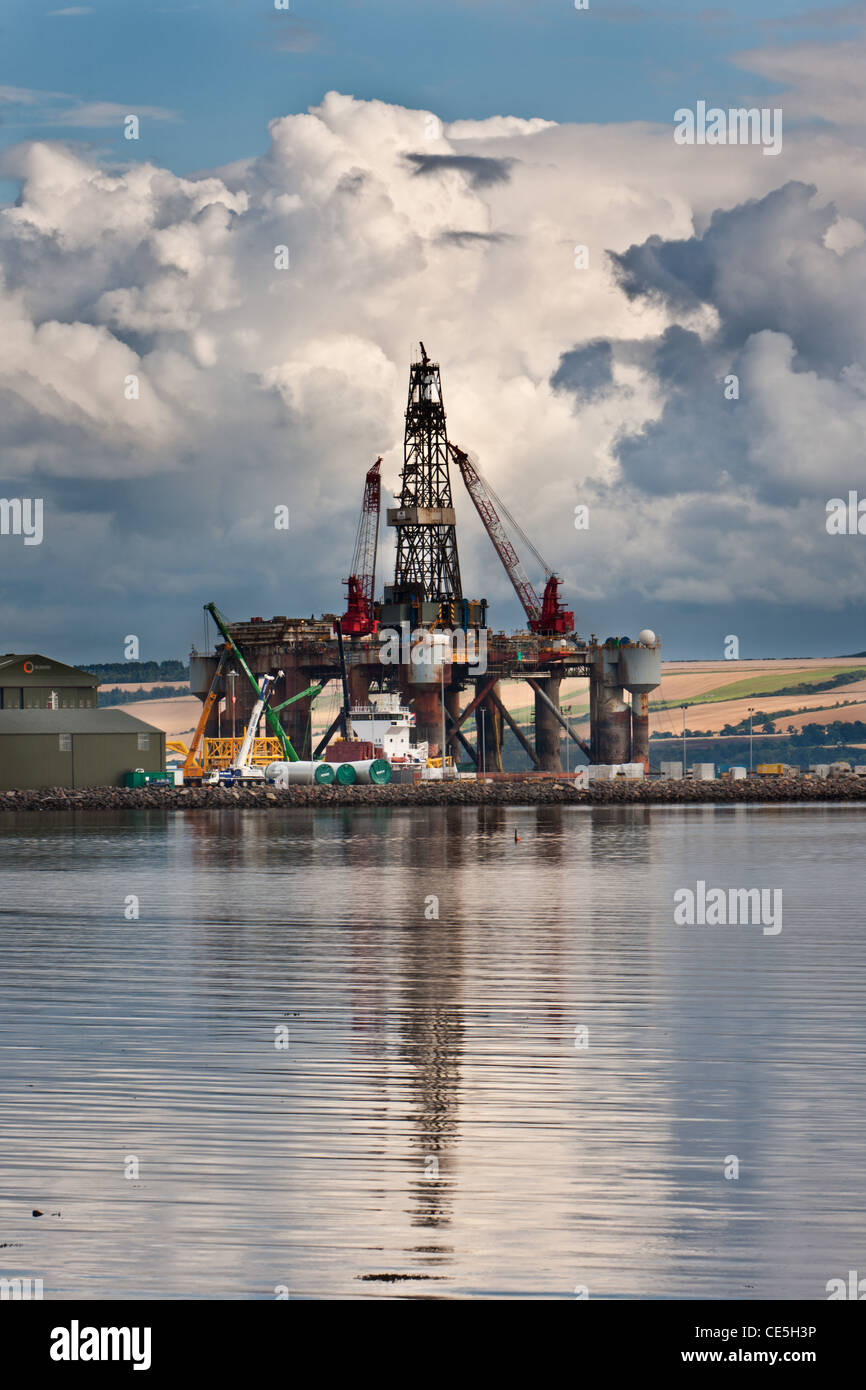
429,643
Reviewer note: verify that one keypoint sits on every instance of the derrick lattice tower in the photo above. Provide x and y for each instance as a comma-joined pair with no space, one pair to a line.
428,567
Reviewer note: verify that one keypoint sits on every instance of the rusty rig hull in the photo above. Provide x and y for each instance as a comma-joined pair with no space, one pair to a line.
306,651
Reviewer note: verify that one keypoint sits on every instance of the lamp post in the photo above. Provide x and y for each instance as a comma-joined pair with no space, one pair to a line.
685,767
566,709
483,745
751,712
442,674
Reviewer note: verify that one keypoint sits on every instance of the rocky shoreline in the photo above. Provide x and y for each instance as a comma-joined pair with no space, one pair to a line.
511,793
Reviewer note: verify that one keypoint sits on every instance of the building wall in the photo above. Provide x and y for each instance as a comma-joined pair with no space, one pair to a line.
39,697
33,761
23,688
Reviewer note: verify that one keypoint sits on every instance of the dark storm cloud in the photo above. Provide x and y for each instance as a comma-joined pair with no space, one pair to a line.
678,272
700,441
480,170
585,371
763,266
767,396
467,239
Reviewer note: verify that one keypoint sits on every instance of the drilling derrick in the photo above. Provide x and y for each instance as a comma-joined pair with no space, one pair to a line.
427,569
427,593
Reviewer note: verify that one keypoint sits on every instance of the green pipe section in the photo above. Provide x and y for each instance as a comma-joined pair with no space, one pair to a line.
373,770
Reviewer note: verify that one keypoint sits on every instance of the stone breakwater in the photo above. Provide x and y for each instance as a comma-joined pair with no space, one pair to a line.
512,793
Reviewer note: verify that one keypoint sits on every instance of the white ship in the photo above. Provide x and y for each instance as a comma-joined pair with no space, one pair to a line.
389,725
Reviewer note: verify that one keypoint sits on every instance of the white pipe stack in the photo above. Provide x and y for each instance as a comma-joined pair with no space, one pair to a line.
287,773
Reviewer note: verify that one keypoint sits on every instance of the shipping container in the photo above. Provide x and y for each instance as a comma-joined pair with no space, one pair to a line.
140,778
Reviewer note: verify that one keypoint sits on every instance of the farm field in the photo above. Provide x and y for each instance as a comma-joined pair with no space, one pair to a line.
700,684
177,717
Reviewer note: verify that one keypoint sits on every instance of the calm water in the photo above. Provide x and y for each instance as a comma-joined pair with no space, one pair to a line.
432,1116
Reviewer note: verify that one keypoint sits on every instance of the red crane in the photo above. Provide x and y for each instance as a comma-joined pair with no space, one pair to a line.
545,615
358,620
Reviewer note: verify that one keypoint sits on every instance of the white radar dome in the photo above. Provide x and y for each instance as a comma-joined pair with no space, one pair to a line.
646,636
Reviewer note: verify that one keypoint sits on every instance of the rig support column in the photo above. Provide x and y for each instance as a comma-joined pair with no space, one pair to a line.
491,758
547,729
614,721
296,718
427,708
640,729
358,679
610,716
452,705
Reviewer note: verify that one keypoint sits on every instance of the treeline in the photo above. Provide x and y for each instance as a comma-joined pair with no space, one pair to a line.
835,731
838,731
139,671
116,696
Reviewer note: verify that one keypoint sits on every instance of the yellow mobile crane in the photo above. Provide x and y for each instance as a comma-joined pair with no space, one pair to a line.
191,767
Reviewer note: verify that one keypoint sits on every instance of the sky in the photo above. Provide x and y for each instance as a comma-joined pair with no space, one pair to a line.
498,179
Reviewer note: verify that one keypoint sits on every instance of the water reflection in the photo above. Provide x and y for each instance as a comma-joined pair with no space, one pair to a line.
439,1124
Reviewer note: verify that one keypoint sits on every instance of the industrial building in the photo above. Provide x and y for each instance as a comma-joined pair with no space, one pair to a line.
426,594
75,748
53,735
35,682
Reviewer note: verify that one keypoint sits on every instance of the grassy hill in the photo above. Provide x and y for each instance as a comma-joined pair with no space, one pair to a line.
829,678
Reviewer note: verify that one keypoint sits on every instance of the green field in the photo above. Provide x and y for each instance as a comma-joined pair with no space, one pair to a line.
770,685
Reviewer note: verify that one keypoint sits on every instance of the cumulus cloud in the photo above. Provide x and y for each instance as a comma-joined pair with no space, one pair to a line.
262,386
785,322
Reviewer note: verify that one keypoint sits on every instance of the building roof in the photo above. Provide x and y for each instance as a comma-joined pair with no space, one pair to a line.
72,721
44,671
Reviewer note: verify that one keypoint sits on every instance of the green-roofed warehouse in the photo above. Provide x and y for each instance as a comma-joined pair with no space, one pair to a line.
75,747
